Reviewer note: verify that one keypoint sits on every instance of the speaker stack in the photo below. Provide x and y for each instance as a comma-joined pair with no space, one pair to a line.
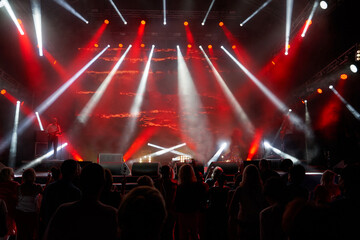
114,162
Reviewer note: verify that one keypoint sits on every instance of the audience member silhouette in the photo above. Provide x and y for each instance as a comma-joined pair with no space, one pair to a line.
87,218
168,186
59,192
285,166
53,175
28,206
215,173
8,193
247,202
295,187
265,170
271,217
145,180
110,194
345,211
217,214
3,216
189,203
142,214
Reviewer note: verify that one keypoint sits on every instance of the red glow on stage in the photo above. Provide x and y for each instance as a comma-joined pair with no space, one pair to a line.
139,142
344,76
13,100
254,145
210,46
319,90
241,53
221,24
34,72
106,21
143,22
186,23
58,67
3,91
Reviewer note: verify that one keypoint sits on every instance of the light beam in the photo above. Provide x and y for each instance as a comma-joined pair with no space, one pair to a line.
256,12
242,117
12,15
289,9
118,12
87,110
348,106
208,11
69,8
13,145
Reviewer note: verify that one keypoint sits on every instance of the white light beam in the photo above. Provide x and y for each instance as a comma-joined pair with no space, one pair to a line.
256,12
87,110
13,145
208,11
12,15
118,12
39,121
36,12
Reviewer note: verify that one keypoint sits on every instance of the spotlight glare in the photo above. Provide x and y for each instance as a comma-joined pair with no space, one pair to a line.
106,21
290,110
96,45
142,45
210,46
353,68
233,46
3,91
202,23
319,90
305,101
186,23
221,24
143,22
331,86
189,45
323,5
266,144
121,45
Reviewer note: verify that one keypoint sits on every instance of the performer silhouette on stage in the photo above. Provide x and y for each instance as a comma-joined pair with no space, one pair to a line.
54,131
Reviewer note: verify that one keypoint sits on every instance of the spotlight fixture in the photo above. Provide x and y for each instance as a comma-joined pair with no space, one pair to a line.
142,45
121,45
323,5
357,56
210,46
106,21
233,47
353,68
319,90
290,110
143,22
3,91
343,76
331,86
186,23
189,45
221,24
96,45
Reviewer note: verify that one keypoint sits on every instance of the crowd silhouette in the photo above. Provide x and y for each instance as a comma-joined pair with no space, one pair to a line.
257,203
